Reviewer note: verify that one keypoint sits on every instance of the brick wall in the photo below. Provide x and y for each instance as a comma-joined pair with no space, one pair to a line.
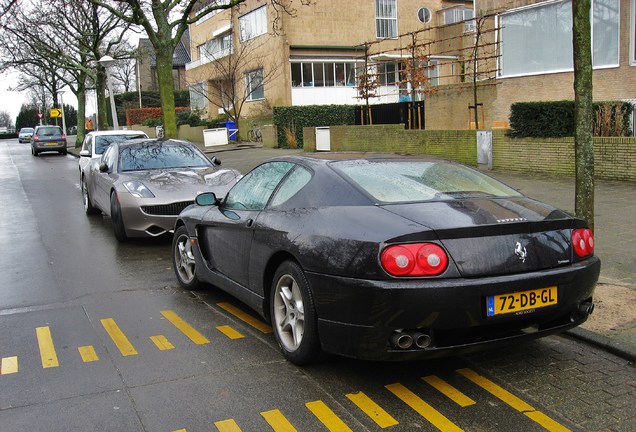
615,158
458,145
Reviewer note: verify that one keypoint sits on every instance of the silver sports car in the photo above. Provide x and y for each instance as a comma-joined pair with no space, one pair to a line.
144,184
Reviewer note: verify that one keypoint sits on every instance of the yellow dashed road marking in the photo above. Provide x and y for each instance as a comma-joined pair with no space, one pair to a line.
119,338
9,365
513,401
249,319
88,353
372,409
277,421
227,426
47,349
185,328
162,342
327,417
422,408
449,391
230,332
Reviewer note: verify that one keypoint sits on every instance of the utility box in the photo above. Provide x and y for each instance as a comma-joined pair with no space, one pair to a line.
215,137
323,138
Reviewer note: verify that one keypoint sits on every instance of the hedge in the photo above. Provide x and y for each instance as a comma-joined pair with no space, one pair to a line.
140,115
555,119
291,120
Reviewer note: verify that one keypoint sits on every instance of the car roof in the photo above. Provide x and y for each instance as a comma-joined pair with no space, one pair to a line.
116,132
137,141
323,158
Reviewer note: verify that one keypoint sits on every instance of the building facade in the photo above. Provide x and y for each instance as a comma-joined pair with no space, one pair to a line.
520,51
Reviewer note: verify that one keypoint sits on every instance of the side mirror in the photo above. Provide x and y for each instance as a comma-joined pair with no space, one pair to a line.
206,199
85,153
103,167
216,161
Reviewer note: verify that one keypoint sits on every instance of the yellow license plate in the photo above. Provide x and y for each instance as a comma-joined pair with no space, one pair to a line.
51,143
521,301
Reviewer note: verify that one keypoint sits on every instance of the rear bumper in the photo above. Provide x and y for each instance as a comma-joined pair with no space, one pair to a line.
42,146
356,318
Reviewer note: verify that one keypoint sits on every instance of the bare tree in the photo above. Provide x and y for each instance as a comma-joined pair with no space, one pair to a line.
5,7
5,119
67,52
230,70
164,23
123,73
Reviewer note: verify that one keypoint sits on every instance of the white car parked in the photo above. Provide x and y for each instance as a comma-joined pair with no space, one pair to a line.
95,143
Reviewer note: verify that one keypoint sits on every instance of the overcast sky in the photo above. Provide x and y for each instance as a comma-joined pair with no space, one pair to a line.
12,101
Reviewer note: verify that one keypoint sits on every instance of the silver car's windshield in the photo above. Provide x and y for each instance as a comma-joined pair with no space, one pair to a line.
160,155
390,181
102,142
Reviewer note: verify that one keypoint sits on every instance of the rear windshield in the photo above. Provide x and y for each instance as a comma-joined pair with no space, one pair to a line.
49,130
102,142
391,181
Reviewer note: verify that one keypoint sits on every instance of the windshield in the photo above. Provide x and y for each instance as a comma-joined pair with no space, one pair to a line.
391,181
26,130
47,131
151,155
102,142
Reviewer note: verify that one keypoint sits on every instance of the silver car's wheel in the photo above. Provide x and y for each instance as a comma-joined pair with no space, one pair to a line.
88,206
293,315
183,260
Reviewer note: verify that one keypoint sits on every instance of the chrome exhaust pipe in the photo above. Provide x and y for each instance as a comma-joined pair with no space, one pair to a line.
401,340
421,340
586,308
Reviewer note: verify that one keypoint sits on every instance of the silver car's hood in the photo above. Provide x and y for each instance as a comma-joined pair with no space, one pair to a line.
184,183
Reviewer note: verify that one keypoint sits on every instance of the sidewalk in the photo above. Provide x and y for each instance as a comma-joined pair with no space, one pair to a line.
613,323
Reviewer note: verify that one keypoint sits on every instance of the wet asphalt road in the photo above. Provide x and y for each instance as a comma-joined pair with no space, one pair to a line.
96,336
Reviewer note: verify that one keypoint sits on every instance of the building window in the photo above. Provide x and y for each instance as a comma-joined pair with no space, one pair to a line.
538,39
254,85
323,74
386,19
253,24
214,11
198,96
216,48
387,73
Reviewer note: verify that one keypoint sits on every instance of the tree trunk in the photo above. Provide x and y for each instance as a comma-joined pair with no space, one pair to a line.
166,91
81,114
102,107
583,143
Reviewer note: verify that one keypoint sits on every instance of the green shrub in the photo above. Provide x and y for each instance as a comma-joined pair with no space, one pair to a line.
292,119
555,119
153,122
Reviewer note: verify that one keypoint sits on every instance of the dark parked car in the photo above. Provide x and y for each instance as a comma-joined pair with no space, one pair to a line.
48,138
388,258
143,184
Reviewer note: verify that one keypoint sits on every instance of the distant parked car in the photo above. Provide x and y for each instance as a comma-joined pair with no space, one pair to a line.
48,138
95,143
25,135
144,184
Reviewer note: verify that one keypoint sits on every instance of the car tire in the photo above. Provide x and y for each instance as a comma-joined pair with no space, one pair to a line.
63,152
117,218
34,152
183,260
88,206
293,315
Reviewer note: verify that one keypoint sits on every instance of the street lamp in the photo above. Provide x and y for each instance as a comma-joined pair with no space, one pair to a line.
107,61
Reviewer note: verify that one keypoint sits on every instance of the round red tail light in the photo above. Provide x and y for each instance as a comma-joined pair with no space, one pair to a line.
583,242
417,259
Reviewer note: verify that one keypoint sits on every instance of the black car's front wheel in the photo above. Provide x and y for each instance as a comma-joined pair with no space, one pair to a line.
118,219
293,315
183,260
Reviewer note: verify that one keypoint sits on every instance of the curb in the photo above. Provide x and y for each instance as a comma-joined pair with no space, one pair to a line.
604,342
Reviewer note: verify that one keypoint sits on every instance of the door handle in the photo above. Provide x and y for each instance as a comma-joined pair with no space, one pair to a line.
249,222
